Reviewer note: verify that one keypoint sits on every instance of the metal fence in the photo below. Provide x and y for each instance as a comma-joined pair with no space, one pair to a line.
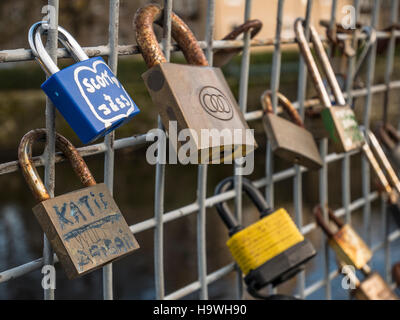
113,50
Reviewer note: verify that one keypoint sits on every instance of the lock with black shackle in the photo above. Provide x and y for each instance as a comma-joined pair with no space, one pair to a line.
195,96
222,56
85,227
289,140
340,121
269,251
87,93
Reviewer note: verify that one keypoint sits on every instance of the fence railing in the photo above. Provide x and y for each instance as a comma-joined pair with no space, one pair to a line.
108,146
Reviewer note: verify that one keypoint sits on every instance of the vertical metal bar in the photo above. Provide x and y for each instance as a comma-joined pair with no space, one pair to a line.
297,180
365,169
388,75
243,90
160,175
390,57
109,139
275,77
49,165
202,174
386,241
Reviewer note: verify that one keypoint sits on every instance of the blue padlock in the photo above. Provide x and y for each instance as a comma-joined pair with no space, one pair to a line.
87,93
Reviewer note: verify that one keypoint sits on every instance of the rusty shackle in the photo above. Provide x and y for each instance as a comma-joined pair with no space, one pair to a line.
223,56
324,225
286,105
29,171
148,44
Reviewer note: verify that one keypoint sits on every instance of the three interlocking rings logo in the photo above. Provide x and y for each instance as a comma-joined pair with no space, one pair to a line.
216,103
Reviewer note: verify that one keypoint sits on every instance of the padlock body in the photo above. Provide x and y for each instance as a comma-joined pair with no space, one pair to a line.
292,142
342,127
86,229
90,98
270,250
374,288
281,267
199,101
350,248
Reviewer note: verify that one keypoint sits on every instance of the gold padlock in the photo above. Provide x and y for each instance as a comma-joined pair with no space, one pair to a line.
196,97
85,227
347,244
373,287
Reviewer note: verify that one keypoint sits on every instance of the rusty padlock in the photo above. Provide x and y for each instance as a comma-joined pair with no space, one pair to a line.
373,287
289,140
223,56
383,169
347,244
339,121
85,227
196,96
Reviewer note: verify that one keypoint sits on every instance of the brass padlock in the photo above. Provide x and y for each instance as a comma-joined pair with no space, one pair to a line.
289,140
196,96
373,287
347,244
222,56
339,121
269,251
85,227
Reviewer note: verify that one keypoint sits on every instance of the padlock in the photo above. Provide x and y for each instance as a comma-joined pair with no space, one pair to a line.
339,121
373,287
269,251
196,96
390,185
87,93
222,56
289,140
85,227
347,244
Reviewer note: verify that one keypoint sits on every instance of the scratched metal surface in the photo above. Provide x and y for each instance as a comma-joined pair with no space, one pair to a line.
367,210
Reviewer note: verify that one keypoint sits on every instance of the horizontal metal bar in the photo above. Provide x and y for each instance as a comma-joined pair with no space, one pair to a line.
190,288
131,49
319,284
184,211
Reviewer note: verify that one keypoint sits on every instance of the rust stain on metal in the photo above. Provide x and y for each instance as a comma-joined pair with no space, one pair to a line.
148,44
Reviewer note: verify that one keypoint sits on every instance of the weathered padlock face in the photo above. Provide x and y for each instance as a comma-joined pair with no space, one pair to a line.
292,142
86,229
350,248
374,288
342,127
198,98
90,98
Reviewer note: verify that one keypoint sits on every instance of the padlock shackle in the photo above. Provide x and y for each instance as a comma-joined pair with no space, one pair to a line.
324,225
28,168
266,103
312,66
67,40
395,182
252,192
254,25
224,55
146,39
